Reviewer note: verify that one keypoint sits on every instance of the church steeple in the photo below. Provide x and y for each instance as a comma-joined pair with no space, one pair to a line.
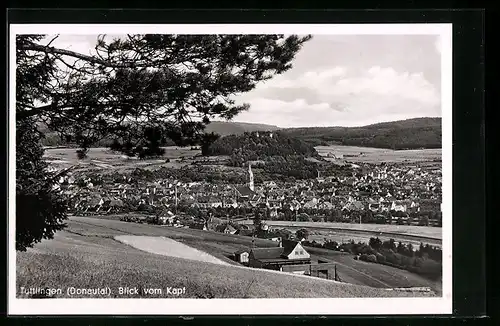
250,177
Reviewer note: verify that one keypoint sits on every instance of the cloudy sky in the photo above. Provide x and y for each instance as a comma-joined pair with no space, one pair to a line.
342,80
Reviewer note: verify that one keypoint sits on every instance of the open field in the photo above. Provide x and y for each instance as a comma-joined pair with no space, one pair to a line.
343,232
107,160
378,155
424,232
319,235
87,255
103,158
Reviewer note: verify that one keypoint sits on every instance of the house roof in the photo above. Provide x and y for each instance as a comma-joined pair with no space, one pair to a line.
116,202
310,204
230,228
94,201
267,253
245,191
284,260
327,204
357,205
288,246
271,236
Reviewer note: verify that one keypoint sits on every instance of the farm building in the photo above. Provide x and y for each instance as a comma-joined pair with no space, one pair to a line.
288,253
241,256
226,228
167,218
198,226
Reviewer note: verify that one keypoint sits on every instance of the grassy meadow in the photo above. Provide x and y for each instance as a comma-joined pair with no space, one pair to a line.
379,155
107,160
86,255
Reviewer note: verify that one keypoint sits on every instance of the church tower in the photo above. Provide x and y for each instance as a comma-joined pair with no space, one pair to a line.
250,177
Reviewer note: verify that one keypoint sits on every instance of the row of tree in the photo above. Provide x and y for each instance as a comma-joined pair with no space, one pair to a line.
425,260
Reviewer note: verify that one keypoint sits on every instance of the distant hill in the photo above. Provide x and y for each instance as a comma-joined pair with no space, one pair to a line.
224,128
403,134
279,155
260,145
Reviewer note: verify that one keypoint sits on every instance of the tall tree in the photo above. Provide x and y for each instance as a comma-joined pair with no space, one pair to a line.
375,243
257,220
40,208
172,84
138,90
302,234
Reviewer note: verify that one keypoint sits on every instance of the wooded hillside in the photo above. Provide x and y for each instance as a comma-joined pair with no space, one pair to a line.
404,134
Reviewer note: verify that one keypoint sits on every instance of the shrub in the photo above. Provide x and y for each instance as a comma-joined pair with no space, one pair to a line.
430,268
380,258
364,249
81,153
368,258
372,258
392,257
331,245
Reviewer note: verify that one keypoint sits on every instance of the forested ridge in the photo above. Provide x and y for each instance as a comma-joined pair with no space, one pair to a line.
404,134
259,146
274,153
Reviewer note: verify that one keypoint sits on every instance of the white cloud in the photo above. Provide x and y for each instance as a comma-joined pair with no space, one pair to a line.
387,83
301,114
332,98
370,80
310,78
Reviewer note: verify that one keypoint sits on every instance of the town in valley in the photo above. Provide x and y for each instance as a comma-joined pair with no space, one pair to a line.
220,165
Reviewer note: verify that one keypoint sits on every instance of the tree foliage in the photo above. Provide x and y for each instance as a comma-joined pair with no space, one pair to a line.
173,84
40,209
302,233
139,90
253,146
406,134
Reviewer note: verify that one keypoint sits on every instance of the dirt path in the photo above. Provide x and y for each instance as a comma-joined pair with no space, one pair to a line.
167,247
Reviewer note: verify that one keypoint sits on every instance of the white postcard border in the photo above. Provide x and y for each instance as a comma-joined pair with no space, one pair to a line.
330,306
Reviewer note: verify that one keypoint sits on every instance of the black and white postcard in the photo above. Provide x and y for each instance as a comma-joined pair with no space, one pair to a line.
230,169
